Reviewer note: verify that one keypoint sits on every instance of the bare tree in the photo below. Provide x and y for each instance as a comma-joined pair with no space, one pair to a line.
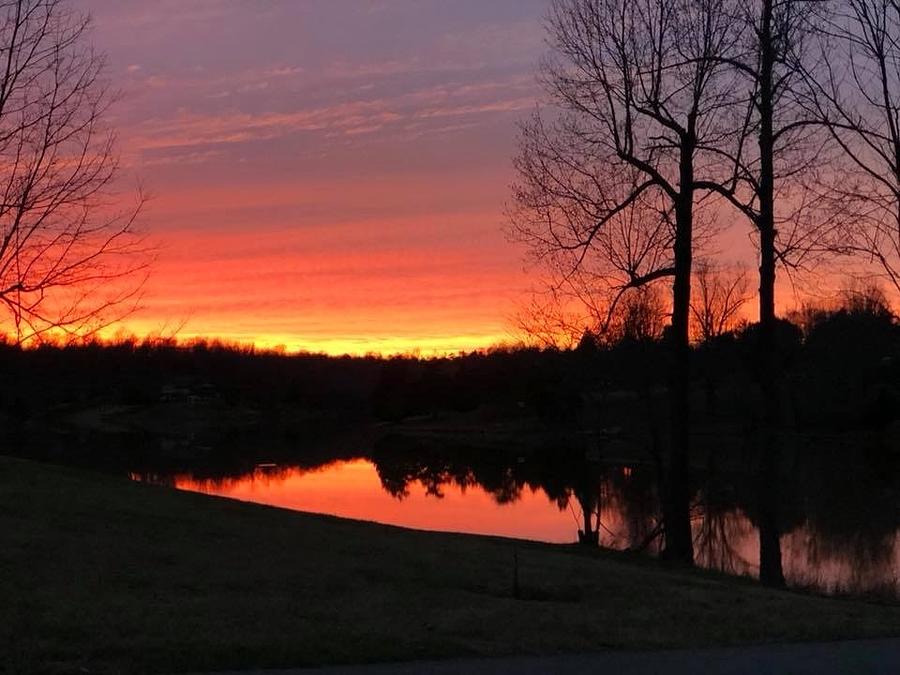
643,315
718,300
865,298
611,179
596,232
580,286
65,248
765,173
546,321
766,167
562,320
855,94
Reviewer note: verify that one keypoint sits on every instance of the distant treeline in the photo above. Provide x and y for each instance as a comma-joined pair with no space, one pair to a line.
841,371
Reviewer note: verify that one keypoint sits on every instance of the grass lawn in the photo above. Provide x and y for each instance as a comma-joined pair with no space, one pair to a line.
103,575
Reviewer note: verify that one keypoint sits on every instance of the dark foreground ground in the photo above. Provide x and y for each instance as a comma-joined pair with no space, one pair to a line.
99,575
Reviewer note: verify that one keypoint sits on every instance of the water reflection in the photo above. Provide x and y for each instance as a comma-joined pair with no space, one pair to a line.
835,536
835,506
354,489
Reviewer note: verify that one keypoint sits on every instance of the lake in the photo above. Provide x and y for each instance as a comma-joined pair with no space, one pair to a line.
840,531
835,503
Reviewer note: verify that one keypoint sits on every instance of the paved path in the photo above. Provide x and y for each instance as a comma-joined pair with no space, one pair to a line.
833,658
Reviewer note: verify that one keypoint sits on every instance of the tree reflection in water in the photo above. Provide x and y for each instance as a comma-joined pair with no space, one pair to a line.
836,510
836,515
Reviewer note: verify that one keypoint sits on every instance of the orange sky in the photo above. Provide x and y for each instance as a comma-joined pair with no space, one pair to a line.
325,175
328,176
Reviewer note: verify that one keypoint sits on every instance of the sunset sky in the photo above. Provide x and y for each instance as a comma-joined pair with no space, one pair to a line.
327,175
330,175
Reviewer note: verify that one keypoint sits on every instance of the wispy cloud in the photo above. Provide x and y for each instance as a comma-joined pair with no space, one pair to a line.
187,129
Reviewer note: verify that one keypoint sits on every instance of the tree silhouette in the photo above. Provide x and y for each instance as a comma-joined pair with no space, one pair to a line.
765,168
64,247
719,297
855,94
608,186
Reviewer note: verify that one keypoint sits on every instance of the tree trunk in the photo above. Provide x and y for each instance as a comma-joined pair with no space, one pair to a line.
770,567
676,490
588,535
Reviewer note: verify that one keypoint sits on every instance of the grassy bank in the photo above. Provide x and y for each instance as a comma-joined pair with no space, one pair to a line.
105,575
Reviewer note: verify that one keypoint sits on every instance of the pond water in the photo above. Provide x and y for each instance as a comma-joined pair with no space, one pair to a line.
836,506
353,489
836,546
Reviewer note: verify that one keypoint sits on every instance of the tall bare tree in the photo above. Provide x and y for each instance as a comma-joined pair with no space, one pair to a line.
765,173
612,178
65,248
765,166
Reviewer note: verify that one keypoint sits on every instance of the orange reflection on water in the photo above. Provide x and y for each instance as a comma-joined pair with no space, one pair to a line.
724,540
353,489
